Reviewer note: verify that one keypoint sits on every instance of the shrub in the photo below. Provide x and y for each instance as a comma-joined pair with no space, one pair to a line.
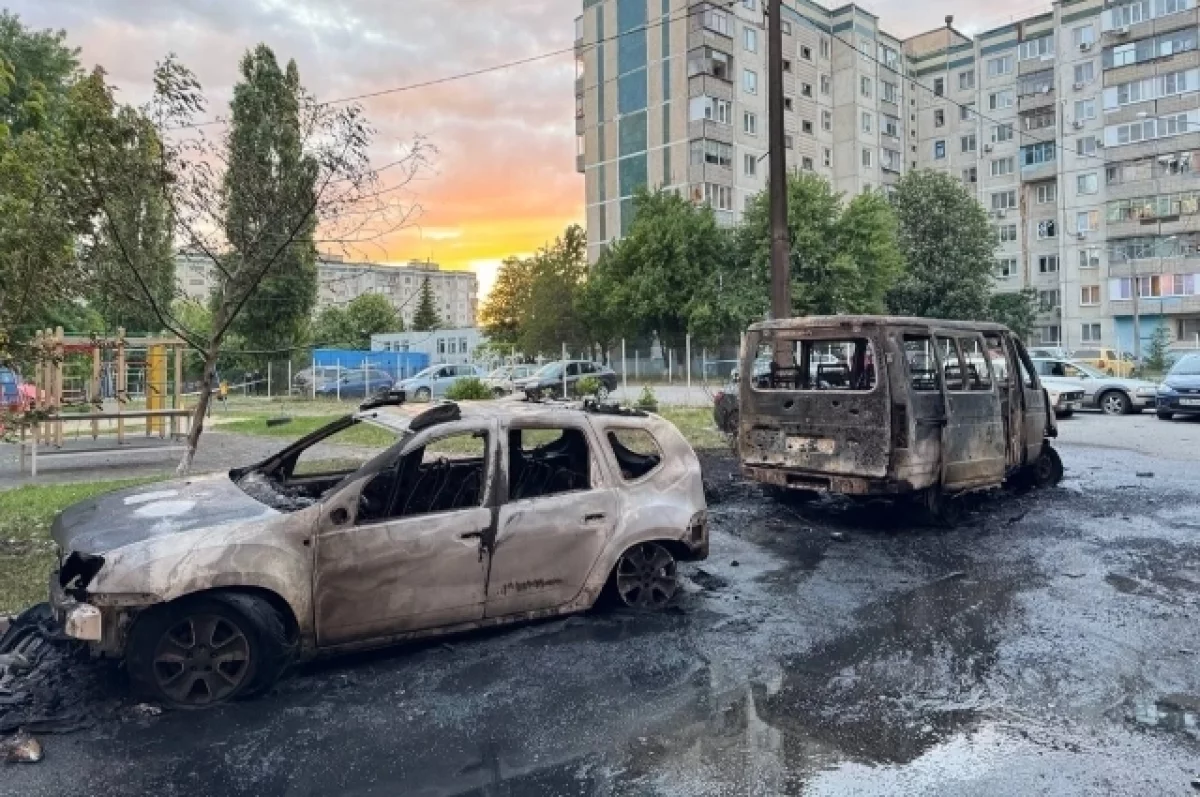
647,401
588,386
468,389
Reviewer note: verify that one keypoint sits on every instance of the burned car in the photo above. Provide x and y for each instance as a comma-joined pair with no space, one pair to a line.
392,523
895,406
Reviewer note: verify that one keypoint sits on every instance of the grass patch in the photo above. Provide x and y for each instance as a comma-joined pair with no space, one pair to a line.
697,426
27,553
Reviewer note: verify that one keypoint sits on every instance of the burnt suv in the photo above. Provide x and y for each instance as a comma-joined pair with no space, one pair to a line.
392,523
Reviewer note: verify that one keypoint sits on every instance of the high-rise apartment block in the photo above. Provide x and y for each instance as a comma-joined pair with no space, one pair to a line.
1076,129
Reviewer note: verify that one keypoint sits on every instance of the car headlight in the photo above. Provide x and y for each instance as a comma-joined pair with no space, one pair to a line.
1147,391
1166,390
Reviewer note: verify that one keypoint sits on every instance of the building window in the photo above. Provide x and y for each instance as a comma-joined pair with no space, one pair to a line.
1036,48
939,149
806,89
1006,233
1147,130
787,65
1150,49
749,81
891,160
1091,333
1049,300
806,52
824,47
1083,37
749,123
1001,99
1084,110
826,120
750,39
1037,154
866,122
1048,229
1089,257
718,197
1002,65
1087,221
708,61
939,118
1001,133
827,157
939,86
1089,295
970,175
1006,268
788,104
806,164
1150,88
717,21
806,127
965,112
966,80
1046,193
788,142
866,158
711,109
787,27
750,5
1087,183
1004,200
715,153
968,143
1085,146
1049,335
825,87
891,126
1002,166
1085,73
864,86
891,92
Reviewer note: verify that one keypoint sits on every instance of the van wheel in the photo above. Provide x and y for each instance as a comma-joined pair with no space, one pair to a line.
646,576
204,651
946,510
1114,402
1048,470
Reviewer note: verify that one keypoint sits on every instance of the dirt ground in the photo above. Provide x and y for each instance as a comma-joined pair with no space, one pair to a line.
1048,646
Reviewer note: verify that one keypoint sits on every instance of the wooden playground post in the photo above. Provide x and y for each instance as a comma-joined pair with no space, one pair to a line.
177,395
96,394
122,384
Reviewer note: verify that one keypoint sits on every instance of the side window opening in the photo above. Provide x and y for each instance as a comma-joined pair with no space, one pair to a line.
979,375
993,347
922,365
446,474
545,462
823,364
952,367
636,451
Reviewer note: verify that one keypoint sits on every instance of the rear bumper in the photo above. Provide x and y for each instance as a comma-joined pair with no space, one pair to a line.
1172,404
825,482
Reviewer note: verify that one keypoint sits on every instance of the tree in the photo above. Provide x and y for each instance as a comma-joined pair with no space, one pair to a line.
948,247
352,327
426,317
1158,350
340,194
844,259
38,68
1017,311
504,309
269,170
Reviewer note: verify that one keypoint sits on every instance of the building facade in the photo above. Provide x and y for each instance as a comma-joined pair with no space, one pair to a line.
456,293
1076,129
453,346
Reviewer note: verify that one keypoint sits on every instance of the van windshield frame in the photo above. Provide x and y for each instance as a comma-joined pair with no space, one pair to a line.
816,361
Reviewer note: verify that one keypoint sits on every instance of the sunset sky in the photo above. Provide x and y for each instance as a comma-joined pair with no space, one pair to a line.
503,181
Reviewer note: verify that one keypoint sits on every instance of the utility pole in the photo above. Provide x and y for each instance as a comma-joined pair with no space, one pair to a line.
781,293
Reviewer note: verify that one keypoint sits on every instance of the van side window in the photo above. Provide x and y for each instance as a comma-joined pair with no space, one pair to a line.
994,350
820,364
922,365
979,377
952,369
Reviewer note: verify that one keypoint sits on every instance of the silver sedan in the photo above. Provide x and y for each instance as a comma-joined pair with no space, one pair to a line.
1112,395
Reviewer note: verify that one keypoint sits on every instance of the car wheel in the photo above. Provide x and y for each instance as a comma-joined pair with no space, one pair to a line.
1065,414
499,393
602,393
1048,470
1165,416
1114,402
203,651
646,576
423,394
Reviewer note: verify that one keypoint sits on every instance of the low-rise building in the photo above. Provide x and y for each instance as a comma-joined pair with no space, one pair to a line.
456,346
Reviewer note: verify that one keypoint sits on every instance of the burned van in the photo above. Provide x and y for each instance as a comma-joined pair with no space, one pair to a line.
871,405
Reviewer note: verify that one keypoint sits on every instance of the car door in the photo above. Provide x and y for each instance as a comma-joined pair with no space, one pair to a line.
572,376
440,380
558,516
403,549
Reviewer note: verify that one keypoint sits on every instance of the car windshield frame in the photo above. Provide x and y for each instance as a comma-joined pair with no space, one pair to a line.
426,373
1087,369
501,372
1187,366
549,369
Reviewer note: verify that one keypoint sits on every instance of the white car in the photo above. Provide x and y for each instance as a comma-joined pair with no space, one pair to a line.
1066,395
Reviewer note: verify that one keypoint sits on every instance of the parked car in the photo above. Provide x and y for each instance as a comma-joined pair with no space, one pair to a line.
1050,353
433,382
548,380
477,515
1112,395
1066,396
503,380
303,380
1107,361
12,397
356,383
1179,394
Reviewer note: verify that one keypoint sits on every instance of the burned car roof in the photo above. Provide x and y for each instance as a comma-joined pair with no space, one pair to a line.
854,321
412,417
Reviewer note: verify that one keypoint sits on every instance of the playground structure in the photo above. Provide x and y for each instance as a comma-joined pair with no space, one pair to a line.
78,415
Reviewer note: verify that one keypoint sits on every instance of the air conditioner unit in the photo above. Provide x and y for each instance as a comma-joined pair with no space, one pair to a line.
988,147
1121,31
1085,46
1001,214
1078,86
1045,89
1082,236
1077,125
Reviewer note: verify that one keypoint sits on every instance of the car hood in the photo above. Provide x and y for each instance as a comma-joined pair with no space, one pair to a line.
1183,381
115,520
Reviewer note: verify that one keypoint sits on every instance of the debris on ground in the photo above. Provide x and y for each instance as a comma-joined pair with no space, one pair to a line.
734,563
20,749
838,536
1146,474
708,581
147,710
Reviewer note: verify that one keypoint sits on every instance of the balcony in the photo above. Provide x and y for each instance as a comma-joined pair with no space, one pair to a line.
580,125
579,167
708,85
707,128
1039,171
1031,65
579,86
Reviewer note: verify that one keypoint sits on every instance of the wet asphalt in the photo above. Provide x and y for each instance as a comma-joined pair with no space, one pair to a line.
1047,646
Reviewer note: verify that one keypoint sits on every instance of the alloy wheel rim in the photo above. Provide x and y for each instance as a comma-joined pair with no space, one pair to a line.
202,659
646,577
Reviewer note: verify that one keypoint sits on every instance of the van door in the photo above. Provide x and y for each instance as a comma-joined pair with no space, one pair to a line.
1007,374
927,406
973,442
1033,416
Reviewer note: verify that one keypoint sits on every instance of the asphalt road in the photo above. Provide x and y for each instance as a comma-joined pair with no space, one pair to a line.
1046,647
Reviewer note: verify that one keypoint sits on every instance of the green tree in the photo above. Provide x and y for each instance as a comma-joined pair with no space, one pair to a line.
948,247
37,69
844,259
426,316
352,327
1017,310
556,273
503,311
1157,351
270,188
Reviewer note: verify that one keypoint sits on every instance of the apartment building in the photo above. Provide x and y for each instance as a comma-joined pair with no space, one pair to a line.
456,293
1075,128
